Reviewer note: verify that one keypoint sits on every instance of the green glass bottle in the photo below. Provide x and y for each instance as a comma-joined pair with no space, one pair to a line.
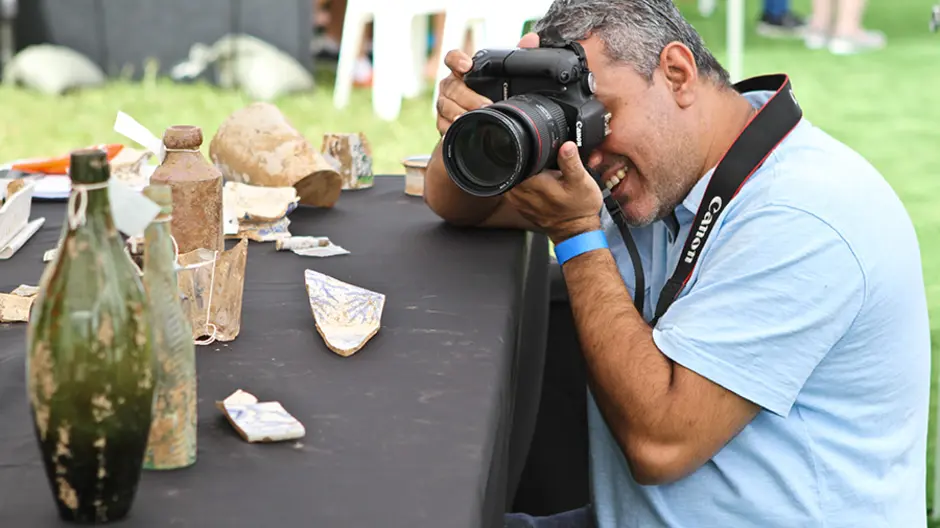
172,442
89,365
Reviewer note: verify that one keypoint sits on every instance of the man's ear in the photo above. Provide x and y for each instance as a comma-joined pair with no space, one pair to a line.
680,73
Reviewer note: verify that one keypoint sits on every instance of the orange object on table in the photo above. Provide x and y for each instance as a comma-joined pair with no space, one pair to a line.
60,164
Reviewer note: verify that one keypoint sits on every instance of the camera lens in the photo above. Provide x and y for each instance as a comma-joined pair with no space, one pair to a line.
490,150
496,151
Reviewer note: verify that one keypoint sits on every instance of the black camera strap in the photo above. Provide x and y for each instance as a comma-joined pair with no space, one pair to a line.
772,123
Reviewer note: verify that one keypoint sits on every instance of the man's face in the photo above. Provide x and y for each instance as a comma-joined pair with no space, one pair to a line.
648,153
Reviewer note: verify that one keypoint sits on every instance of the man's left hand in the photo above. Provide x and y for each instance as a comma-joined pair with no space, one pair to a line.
562,203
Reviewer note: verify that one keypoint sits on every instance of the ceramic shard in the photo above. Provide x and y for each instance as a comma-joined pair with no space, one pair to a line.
353,155
15,227
25,290
14,308
415,169
256,204
308,246
261,232
128,166
346,316
212,287
260,421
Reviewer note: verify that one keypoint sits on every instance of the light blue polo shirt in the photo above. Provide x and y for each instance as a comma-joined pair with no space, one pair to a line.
808,299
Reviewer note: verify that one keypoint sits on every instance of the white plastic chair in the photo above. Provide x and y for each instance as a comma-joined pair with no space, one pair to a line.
734,28
492,24
397,59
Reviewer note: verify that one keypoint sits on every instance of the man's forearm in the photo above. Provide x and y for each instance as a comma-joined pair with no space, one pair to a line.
630,378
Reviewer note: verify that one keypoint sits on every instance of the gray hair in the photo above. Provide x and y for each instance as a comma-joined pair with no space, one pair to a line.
633,31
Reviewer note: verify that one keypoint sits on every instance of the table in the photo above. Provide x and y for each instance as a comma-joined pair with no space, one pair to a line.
427,425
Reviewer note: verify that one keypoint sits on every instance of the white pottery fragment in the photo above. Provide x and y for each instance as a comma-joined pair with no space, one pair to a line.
346,316
260,421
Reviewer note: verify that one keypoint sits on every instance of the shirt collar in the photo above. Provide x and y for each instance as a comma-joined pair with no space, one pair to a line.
692,200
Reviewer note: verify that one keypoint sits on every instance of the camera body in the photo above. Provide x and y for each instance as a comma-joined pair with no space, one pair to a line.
542,97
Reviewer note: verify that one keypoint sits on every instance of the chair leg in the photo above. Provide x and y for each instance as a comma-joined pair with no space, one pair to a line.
419,56
389,63
350,47
735,31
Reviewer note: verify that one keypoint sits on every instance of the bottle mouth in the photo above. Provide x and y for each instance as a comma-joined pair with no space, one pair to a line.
89,165
183,137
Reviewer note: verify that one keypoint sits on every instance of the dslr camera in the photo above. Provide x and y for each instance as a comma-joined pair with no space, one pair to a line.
542,97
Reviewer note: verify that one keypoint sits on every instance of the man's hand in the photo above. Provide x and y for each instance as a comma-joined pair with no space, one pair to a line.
561,203
455,97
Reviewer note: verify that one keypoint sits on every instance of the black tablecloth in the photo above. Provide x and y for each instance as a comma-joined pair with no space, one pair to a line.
427,425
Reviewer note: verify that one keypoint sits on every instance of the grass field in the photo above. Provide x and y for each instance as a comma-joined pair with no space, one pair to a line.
884,104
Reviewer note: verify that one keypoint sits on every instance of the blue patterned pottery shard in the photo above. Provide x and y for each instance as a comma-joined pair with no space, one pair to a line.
346,316
260,421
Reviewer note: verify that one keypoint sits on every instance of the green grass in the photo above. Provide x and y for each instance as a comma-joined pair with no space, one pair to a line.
883,104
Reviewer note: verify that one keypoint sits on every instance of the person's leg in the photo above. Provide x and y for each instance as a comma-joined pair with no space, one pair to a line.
848,35
580,518
820,24
334,30
362,74
776,8
777,20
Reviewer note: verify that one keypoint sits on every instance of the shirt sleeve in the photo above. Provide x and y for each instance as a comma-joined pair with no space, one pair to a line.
776,290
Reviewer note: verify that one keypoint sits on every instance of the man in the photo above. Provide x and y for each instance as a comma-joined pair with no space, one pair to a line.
787,386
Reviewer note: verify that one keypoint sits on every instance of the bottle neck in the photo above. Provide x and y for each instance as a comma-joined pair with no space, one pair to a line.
89,207
159,250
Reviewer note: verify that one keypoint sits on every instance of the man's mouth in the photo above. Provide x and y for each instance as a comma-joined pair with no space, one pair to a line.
615,175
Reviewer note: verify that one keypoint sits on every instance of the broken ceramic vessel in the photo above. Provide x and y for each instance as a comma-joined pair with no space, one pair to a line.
353,155
346,316
256,204
212,286
257,213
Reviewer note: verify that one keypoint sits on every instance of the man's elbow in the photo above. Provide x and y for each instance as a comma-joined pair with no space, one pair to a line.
655,463
442,209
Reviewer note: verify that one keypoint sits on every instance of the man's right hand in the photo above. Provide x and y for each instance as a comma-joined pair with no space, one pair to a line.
455,97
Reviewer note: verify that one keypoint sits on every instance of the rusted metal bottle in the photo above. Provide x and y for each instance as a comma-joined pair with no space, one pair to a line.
89,360
172,443
197,190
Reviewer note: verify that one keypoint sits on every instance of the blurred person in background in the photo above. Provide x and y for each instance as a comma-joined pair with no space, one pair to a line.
844,35
778,20
329,16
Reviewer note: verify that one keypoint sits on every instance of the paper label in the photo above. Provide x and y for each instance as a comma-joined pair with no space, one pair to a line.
131,210
128,127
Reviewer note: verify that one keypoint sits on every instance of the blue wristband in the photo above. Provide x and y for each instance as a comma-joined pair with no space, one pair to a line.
579,244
